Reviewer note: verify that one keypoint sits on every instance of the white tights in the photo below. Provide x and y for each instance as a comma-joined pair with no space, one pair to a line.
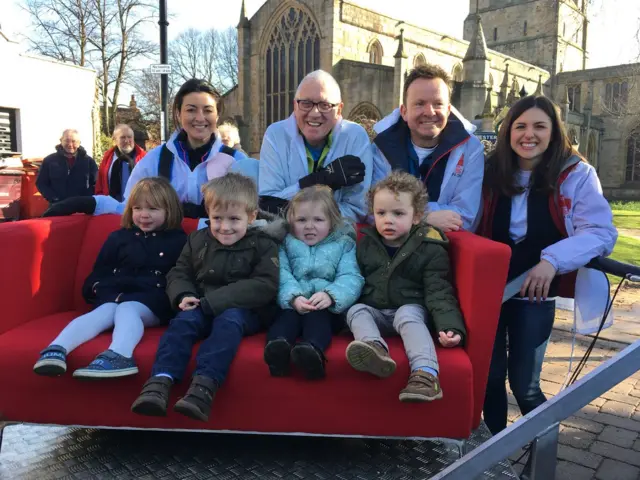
127,319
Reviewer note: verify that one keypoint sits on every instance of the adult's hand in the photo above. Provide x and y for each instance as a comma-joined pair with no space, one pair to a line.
538,281
445,220
275,205
342,172
70,206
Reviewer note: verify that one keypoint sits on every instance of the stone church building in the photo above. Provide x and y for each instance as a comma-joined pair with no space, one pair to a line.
510,48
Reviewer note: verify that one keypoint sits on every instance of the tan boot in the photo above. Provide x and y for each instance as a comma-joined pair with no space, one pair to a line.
421,387
370,357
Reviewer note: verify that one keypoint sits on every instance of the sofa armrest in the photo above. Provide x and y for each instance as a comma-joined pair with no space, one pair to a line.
480,268
38,259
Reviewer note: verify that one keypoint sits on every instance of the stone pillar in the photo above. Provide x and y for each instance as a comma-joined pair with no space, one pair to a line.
476,74
399,71
247,107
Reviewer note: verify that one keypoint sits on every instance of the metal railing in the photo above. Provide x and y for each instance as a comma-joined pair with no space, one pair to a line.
541,426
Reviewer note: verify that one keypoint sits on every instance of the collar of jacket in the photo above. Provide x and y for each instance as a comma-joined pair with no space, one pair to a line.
418,234
393,141
81,152
269,224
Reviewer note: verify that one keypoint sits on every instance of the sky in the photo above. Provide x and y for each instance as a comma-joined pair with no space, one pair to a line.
612,30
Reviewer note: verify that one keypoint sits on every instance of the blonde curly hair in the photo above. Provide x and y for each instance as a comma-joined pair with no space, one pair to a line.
402,182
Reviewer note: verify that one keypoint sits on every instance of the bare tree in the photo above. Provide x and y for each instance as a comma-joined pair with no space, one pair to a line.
227,59
61,29
211,55
102,34
131,15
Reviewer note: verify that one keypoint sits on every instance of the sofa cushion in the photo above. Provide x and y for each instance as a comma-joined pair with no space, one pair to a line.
347,402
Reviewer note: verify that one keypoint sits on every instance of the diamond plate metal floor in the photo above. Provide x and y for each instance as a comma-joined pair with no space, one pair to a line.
51,452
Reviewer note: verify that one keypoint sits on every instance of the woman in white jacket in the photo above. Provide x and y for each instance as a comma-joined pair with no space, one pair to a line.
545,201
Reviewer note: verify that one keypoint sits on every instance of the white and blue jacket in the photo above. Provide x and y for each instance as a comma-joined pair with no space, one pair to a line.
459,185
186,182
329,266
283,161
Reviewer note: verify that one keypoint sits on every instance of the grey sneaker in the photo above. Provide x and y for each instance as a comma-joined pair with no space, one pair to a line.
370,357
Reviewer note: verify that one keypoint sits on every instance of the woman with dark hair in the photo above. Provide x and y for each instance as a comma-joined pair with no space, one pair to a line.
545,201
192,155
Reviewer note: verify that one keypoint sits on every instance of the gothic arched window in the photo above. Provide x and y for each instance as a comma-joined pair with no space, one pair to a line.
375,53
419,60
366,114
632,173
293,50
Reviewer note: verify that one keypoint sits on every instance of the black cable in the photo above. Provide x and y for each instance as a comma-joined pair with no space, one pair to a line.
586,355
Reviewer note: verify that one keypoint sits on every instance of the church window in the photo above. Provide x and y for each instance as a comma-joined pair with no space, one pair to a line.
293,51
419,60
366,114
525,28
375,53
616,96
574,97
632,173
495,34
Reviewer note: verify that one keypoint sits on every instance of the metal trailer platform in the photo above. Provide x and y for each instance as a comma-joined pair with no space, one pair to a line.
52,452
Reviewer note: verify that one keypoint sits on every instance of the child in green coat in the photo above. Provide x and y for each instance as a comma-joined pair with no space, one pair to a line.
406,268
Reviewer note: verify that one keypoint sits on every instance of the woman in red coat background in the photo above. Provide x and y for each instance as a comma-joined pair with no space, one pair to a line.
118,162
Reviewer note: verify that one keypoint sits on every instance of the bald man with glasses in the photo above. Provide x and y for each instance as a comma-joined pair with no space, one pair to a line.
315,145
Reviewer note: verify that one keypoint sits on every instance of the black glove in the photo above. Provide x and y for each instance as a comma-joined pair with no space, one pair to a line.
342,172
273,204
193,210
70,206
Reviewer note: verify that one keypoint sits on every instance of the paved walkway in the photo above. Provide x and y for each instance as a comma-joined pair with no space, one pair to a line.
602,441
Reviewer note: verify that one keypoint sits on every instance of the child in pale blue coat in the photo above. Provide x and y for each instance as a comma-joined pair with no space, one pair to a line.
319,279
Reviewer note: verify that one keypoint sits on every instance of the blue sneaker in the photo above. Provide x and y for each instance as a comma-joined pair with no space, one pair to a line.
52,361
108,364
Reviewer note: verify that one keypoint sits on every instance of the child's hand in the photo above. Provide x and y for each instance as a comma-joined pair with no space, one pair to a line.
449,339
189,303
302,305
321,300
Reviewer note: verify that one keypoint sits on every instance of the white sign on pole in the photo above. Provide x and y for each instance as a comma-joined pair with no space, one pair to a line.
161,68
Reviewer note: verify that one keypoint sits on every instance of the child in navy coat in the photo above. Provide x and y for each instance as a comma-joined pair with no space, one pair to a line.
127,284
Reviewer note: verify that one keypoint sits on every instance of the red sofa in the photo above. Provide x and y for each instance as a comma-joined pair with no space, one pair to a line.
44,262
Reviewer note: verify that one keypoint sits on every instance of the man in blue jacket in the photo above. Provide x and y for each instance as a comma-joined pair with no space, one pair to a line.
428,138
69,172
315,145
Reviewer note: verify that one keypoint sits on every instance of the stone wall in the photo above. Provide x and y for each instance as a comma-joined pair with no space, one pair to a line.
553,36
364,82
617,125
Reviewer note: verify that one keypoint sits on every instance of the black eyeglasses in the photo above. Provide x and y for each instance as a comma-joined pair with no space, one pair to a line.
323,107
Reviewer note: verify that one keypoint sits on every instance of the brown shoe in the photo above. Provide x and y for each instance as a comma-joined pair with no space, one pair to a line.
154,398
421,387
197,401
370,357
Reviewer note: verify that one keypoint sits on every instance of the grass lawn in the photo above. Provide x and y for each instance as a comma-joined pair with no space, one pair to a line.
627,250
626,219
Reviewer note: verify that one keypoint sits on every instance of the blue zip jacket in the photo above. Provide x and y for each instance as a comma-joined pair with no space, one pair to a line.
329,266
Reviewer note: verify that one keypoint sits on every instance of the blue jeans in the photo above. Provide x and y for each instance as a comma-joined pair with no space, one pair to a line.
222,336
528,328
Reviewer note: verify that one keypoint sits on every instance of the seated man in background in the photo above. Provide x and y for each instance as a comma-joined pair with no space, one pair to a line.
315,145
69,172
118,162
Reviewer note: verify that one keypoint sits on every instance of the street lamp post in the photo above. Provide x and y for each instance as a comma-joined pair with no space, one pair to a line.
164,77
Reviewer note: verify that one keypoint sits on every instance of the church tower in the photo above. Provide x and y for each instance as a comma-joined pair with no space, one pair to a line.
551,34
